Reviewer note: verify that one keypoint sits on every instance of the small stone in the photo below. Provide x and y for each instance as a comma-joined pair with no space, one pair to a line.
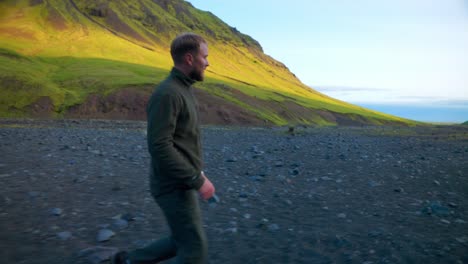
243,200
273,227
65,147
373,183
445,221
56,211
120,224
128,217
119,216
65,235
279,164
342,215
294,171
247,216
243,195
81,179
375,233
232,230
436,208
104,235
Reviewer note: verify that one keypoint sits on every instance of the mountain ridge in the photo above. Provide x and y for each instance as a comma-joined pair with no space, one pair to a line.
75,51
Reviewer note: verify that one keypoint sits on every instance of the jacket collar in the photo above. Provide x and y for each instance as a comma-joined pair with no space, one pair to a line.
177,74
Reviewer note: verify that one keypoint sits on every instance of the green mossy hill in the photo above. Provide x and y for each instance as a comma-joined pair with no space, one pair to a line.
85,58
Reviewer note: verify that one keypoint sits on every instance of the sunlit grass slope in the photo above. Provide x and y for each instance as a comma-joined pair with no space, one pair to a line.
66,50
66,80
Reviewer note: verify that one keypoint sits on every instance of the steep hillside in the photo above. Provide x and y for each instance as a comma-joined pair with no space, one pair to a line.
70,58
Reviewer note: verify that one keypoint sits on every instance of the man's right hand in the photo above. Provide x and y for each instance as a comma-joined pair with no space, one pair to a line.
207,190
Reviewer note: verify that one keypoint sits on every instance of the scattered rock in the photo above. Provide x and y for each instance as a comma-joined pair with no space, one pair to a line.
233,159
445,221
279,164
104,235
462,240
129,217
231,230
341,215
5,175
120,224
65,235
284,184
56,211
435,208
373,183
294,171
273,227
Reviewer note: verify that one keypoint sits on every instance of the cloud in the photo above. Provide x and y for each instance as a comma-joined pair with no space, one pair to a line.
336,89
428,101
359,95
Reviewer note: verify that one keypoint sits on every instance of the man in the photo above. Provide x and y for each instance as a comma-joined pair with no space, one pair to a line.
176,160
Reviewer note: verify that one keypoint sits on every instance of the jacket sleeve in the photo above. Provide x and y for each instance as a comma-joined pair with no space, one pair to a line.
162,119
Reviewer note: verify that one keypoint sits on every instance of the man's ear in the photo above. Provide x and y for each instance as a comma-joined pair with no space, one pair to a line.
188,57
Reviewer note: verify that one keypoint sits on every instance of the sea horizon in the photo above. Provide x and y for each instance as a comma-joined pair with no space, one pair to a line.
424,113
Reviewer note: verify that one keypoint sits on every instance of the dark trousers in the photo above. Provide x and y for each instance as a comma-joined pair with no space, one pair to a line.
187,241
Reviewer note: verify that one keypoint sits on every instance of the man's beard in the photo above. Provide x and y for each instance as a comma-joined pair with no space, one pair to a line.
196,75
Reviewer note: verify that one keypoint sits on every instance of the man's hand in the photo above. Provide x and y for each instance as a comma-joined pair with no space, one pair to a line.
207,190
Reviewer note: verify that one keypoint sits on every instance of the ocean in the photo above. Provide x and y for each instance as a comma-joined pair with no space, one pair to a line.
424,113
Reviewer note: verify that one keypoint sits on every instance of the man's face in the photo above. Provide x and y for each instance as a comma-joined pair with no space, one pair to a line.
199,64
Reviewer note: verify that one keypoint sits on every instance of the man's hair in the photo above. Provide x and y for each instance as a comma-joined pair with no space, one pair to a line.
184,43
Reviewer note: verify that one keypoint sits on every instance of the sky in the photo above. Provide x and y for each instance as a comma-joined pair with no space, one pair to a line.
374,53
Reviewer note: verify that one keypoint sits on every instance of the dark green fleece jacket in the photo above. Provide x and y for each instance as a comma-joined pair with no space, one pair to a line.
174,136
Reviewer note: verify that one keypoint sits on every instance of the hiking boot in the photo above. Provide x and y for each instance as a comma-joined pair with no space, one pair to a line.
120,257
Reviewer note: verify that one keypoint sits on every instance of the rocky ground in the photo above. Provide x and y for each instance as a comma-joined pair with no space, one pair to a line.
318,195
